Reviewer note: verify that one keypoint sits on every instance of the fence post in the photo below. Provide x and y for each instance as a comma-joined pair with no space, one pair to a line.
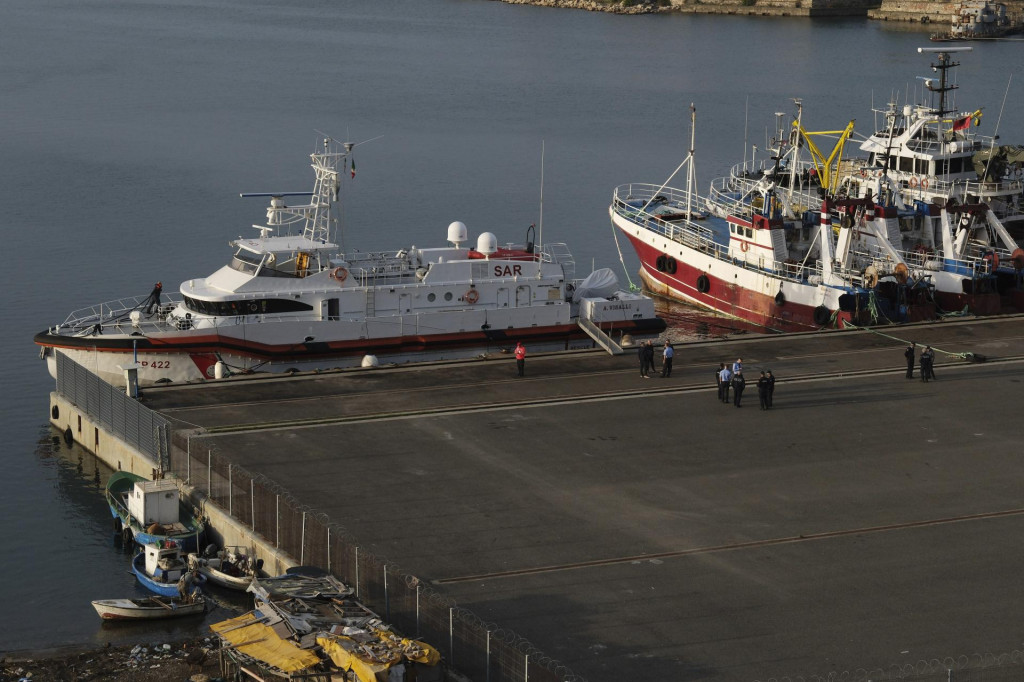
417,609
252,502
209,473
387,602
451,635
188,459
329,549
487,658
357,571
231,493
526,668
302,549
277,523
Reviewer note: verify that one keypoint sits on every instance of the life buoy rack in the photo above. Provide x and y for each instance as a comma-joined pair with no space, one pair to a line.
912,182
780,298
822,315
703,284
471,296
670,265
339,274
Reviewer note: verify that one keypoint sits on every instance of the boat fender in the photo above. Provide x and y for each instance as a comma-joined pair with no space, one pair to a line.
780,298
210,551
127,535
670,265
55,412
822,315
471,296
703,284
1018,259
339,274
660,263
69,437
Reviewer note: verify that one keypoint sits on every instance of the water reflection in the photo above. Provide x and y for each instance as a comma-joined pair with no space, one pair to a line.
77,557
692,323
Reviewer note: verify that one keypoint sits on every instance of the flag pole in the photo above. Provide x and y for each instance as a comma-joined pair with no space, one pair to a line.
540,223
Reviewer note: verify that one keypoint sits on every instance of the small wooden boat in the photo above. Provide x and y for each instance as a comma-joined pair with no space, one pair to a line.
151,511
161,569
228,568
148,608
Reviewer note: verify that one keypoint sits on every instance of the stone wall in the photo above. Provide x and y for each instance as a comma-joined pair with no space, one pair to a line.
938,13
934,12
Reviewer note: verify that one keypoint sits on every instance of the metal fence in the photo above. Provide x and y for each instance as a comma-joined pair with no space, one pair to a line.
481,651
111,408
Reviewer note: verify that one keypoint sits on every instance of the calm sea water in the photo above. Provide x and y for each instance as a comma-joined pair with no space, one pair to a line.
129,129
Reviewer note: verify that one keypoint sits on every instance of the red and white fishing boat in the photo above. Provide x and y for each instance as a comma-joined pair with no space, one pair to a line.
756,259
289,299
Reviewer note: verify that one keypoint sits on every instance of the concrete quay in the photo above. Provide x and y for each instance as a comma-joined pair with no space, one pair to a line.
640,529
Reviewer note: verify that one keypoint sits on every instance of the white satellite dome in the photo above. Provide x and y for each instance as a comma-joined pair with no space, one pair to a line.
457,233
487,243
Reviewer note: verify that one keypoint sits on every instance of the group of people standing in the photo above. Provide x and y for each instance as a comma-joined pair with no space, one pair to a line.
927,362
646,354
732,377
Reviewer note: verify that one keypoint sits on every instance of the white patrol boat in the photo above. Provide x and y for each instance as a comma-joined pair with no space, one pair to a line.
291,300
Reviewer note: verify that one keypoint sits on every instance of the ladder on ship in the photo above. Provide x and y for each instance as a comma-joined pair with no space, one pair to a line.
602,339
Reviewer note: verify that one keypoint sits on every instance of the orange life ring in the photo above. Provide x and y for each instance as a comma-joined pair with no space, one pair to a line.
471,296
339,274
993,259
912,183
863,173
924,183
744,246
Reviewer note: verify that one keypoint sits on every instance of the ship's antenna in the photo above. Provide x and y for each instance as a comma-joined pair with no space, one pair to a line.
746,115
995,133
690,177
540,221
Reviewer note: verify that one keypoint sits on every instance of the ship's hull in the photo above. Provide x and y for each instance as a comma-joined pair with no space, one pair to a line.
777,303
192,355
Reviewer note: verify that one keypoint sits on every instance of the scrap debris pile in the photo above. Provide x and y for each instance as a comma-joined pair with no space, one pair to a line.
305,625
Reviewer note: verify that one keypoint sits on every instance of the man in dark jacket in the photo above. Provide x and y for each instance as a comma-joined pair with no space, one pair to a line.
762,390
909,355
738,384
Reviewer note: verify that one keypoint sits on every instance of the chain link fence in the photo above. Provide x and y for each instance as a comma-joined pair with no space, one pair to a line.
481,651
111,408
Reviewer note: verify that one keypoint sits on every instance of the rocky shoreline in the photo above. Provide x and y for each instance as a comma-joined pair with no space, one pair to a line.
620,7
194,659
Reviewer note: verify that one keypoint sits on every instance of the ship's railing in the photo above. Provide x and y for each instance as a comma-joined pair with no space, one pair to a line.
697,236
113,311
737,193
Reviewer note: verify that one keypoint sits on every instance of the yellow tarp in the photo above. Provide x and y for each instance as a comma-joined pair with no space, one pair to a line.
344,654
258,641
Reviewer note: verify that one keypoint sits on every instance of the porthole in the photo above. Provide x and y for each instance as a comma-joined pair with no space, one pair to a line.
448,296
431,297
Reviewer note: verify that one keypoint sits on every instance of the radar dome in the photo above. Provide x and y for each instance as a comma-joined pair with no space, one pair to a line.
457,232
487,243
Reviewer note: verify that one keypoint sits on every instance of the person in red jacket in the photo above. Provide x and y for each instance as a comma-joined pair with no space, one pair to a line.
520,357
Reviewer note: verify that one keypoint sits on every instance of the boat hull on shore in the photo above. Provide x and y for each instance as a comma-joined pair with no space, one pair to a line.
149,608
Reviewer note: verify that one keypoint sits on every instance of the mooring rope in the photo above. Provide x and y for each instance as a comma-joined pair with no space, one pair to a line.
966,355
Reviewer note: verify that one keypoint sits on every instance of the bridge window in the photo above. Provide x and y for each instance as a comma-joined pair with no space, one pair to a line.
259,306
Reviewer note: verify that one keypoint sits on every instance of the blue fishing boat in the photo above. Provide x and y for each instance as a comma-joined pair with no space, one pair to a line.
161,568
152,511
